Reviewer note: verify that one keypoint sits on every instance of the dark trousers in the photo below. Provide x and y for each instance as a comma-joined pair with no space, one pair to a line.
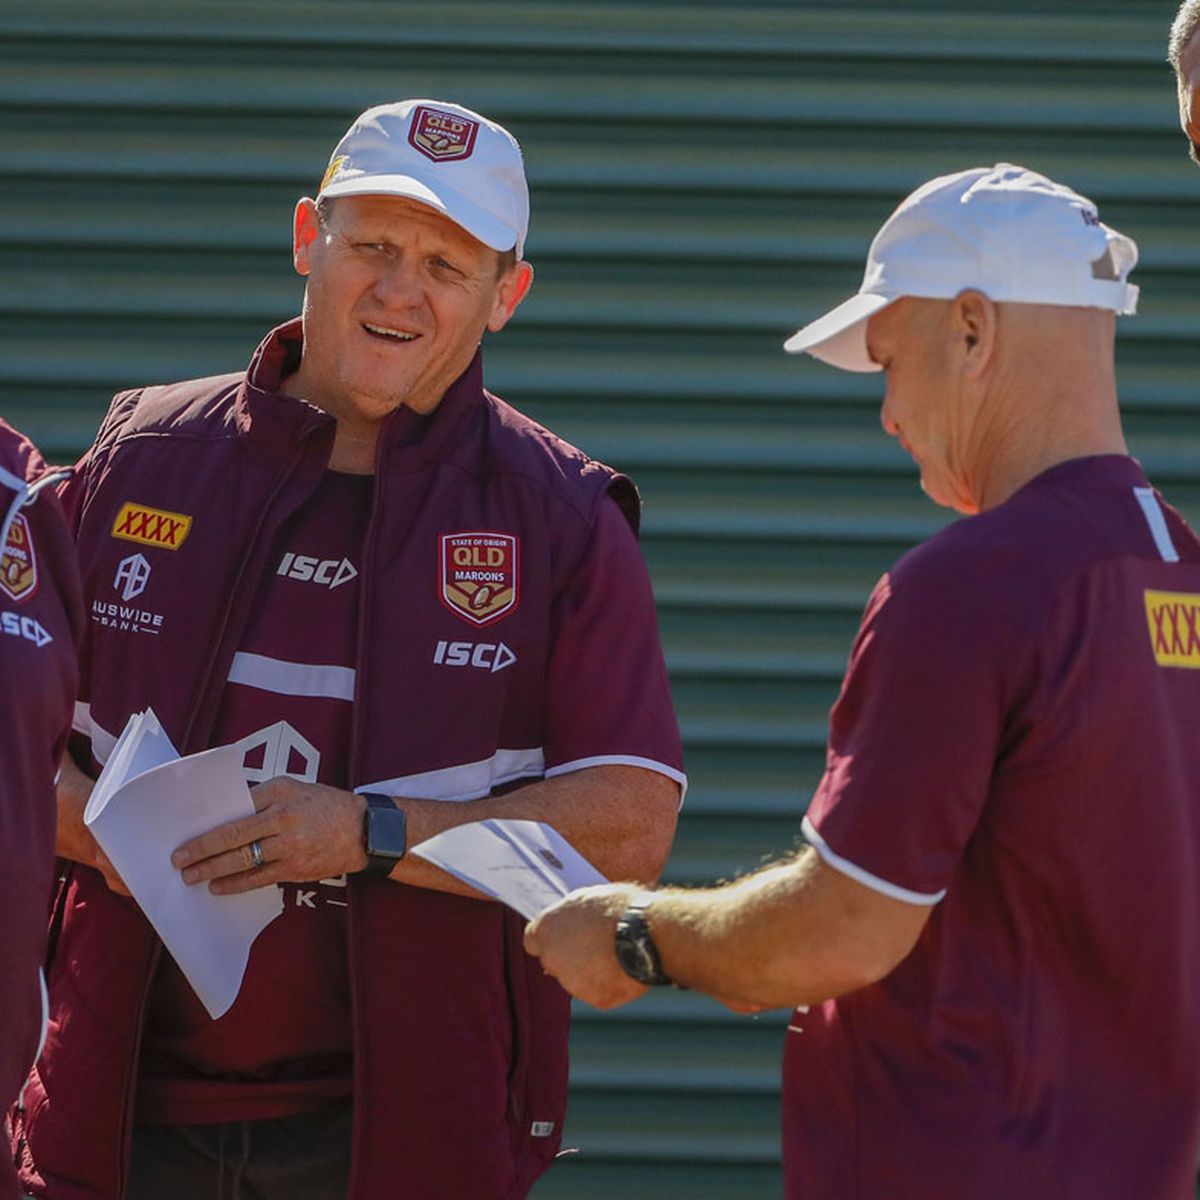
290,1158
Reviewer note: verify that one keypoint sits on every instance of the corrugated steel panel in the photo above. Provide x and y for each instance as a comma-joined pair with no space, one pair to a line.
705,177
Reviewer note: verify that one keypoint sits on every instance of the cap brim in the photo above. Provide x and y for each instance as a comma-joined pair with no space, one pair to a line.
840,336
465,213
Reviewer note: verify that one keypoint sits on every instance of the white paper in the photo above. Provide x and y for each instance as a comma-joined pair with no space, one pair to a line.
527,865
146,803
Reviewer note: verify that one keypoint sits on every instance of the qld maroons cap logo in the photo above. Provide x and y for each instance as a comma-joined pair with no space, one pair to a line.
442,136
18,563
481,577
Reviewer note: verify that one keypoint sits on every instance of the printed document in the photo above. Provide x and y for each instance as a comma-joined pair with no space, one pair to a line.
527,865
146,803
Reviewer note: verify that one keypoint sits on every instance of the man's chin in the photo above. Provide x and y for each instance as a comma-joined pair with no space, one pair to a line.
960,503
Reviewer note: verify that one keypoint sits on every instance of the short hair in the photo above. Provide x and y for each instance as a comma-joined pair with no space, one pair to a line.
1183,29
507,259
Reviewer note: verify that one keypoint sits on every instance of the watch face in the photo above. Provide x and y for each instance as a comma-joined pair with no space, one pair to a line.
635,951
386,835
633,958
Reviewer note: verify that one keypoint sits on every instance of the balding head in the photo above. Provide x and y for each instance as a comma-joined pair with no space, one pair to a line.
985,395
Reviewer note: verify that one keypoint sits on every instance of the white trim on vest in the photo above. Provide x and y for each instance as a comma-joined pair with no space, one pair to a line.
286,678
102,741
467,781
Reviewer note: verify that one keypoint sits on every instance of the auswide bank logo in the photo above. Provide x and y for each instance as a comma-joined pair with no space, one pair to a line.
480,575
129,582
133,573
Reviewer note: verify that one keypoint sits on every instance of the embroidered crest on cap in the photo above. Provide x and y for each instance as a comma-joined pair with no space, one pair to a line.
331,171
151,526
480,575
18,563
442,136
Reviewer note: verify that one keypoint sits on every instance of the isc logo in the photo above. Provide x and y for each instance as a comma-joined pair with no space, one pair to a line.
25,627
327,572
488,656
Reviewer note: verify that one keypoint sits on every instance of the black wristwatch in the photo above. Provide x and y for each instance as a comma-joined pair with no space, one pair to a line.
636,951
385,836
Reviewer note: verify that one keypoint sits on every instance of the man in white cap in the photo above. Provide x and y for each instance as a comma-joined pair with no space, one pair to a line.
411,607
993,933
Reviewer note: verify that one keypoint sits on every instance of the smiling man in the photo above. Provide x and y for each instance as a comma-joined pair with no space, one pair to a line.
1183,53
412,607
993,934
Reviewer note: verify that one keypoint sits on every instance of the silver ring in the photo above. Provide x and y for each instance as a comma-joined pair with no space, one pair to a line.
256,854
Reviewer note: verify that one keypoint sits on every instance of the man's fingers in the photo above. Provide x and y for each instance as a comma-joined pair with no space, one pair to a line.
533,936
225,839
247,881
231,863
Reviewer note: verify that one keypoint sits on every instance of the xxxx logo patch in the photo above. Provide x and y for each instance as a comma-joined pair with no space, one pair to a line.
480,575
442,136
1174,620
18,562
151,526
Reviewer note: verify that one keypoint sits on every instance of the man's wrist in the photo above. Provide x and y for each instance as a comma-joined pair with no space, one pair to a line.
635,948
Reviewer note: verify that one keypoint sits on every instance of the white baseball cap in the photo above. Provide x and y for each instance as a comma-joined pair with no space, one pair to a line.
441,154
1004,230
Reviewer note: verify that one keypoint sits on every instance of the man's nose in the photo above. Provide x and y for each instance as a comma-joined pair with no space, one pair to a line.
398,284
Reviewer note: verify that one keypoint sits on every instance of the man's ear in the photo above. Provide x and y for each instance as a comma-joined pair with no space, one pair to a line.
973,321
306,228
514,287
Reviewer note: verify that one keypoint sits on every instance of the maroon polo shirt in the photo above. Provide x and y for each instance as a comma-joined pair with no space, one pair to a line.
1017,745
285,1043
40,617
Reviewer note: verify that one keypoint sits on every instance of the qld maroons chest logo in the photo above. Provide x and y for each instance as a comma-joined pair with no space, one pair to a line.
442,136
18,563
480,575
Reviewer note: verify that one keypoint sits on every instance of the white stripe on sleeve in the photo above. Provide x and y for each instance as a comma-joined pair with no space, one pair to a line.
846,867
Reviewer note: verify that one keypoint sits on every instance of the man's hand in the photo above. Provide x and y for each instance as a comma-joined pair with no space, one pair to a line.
73,839
574,940
305,831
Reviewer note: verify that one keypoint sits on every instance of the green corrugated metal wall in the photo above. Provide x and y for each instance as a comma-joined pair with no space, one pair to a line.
705,177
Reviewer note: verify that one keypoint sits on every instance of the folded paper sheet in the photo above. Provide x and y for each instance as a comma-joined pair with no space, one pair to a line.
147,802
527,865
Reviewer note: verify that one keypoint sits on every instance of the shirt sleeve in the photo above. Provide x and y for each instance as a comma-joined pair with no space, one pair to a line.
914,735
607,697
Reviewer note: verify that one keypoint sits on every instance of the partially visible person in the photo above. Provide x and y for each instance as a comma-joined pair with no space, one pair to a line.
993,936
411,607
1183,53
40,619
